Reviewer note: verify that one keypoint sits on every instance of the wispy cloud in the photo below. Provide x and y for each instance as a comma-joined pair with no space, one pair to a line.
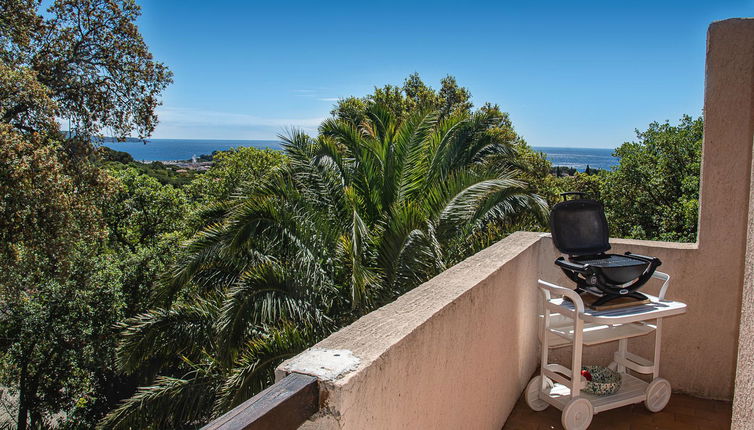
178,122
214,118
320,94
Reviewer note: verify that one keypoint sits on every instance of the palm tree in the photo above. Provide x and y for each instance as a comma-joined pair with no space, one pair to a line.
355,218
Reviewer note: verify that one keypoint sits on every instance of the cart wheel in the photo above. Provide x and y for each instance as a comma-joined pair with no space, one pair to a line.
532,395
658,395
577,414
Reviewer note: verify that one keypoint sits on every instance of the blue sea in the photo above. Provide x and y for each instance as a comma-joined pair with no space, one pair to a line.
579,158
184,149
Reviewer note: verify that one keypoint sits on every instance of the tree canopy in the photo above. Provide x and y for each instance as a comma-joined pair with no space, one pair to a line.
82,62
232,171
414,95
654,191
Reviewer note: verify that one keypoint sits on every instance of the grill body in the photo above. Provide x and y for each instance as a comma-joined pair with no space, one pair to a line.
580,230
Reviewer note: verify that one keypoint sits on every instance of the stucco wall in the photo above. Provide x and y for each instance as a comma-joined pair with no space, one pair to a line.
743,403
456,352
729,131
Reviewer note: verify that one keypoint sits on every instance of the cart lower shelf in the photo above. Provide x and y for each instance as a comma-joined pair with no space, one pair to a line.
632,390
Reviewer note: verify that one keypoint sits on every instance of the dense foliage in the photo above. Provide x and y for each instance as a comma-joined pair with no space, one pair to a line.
87,58
82,61
413,96
232,172
654,192
53,310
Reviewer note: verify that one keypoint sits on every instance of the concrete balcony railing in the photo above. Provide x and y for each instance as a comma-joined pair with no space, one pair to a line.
457,351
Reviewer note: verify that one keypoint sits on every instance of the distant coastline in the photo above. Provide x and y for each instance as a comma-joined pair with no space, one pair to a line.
580,158
185,149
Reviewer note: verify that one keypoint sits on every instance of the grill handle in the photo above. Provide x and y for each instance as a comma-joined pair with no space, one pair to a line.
572,193
580,268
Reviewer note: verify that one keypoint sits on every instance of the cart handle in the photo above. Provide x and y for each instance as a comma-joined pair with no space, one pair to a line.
665,277
562,291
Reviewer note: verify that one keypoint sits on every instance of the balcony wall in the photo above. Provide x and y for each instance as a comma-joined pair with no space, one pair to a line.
457,351
452,353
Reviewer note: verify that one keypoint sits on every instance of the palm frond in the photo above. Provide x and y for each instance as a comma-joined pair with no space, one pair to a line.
163,334
255,367
265,294
168,403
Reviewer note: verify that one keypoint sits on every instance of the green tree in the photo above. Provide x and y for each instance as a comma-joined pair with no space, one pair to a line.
654,192
82,61
233,170
146,222
49,230
47,208
453,98
356,218
56,339
413,96
141,209
589,184
87,57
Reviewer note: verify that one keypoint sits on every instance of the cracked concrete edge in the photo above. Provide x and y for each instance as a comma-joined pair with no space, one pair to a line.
328,366
324,364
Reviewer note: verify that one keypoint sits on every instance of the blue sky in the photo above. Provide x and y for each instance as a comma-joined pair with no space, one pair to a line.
581,74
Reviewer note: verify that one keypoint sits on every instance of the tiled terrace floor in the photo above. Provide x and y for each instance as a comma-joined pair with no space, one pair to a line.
682,413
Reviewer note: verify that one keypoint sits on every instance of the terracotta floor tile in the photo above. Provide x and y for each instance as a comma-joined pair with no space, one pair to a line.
520,425
635,426
598,424
666,419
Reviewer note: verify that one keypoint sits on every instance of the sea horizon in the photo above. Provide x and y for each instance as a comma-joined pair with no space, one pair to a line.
184,149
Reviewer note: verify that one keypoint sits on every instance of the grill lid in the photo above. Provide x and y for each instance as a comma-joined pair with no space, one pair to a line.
579,227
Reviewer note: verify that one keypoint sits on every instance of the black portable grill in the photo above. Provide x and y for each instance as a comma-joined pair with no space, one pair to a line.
579,229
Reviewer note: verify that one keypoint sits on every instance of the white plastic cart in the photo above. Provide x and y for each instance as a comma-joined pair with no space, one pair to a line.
569,322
